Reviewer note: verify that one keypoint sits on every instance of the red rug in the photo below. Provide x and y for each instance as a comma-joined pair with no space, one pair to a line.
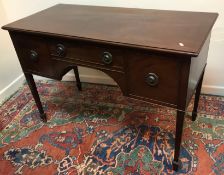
98,131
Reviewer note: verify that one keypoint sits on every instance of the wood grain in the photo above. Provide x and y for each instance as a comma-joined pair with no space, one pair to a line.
148,29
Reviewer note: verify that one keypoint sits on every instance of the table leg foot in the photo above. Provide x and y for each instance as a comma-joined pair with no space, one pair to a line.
176,165
79,87
194,116
43,117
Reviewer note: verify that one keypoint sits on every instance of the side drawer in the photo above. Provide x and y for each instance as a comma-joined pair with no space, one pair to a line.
33,53
153,77
87,54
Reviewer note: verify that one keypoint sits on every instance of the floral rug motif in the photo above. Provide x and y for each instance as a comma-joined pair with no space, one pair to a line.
98,131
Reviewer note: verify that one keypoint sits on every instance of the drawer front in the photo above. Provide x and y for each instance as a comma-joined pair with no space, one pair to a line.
153,77
87,54
33,54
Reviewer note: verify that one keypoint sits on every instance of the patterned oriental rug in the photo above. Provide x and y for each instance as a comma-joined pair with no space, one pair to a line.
98,131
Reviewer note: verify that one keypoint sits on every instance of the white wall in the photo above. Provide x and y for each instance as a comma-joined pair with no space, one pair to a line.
10,70
214,79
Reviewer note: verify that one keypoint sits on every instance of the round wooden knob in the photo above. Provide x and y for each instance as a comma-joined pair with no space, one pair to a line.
107,58
60,50
152,79
33,55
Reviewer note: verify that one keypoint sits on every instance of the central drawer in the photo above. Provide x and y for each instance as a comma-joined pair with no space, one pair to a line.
87,54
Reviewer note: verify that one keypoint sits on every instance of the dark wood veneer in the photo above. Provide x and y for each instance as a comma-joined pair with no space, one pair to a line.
153,55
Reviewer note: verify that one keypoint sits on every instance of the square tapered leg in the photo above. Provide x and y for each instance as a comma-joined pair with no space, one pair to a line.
197,97
178,138
78,83
33,88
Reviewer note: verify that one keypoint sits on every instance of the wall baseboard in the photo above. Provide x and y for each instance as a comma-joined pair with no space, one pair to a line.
90,79
14,85
213,90
11,88
206,89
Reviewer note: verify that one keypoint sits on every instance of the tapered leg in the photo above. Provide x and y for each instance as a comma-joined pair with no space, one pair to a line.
78,83
197,97
33,88
179,130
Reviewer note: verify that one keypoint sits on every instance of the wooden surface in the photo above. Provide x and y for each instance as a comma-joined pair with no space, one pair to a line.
149,29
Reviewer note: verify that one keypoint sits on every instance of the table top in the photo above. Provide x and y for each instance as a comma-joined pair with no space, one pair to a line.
170,31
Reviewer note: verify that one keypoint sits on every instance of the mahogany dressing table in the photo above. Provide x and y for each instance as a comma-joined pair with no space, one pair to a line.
154,55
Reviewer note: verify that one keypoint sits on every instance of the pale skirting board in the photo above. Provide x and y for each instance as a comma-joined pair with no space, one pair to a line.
15,84
10,89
